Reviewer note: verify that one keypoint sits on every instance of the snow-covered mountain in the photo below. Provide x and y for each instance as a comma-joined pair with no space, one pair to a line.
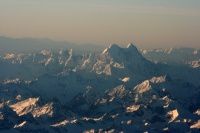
174,56
116,90
122,61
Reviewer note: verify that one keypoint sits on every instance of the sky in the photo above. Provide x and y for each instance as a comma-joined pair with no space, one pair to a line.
148,23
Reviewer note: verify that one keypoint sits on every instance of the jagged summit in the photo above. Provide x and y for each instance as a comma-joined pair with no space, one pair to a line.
115,58
114,49
129,53
132,47
113,46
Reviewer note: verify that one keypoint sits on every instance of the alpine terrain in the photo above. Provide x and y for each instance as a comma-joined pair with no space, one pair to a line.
119,89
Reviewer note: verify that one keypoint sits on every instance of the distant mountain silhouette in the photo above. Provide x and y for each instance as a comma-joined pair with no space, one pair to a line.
8,44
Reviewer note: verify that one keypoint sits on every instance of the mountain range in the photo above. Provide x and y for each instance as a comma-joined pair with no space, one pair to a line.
121,89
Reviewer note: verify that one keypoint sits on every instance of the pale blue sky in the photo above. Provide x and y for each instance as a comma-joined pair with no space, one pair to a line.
149,23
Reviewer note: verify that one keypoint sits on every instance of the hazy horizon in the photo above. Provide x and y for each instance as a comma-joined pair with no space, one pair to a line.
150,24
106,66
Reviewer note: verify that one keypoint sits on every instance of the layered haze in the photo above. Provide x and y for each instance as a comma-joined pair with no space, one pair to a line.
155,23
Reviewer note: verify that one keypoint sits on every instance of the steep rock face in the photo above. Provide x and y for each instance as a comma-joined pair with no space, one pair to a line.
196,125
123,62
44,110
195,64
25,107
143,87
132,108
158,80
119,91
118,54
143,93
31,106
20,125
173,115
